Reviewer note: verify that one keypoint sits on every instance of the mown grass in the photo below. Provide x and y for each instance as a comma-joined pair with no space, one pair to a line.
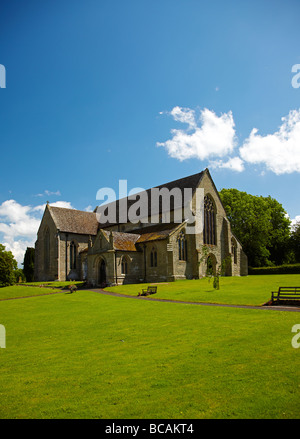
16,291
35,289
87,355
246,290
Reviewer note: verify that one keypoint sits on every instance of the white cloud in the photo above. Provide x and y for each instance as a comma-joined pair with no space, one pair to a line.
280,151
65,204
89,208
19,225
212,137
49,193
234,164
215,137
184,115
295,221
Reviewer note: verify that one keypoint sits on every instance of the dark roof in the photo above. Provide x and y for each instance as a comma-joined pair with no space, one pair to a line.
123,241
127,241
74,221
86,223
191,182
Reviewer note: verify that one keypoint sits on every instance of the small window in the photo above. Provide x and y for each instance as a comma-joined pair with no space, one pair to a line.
182,247
153,258
234,250
73,255
47,249
124,266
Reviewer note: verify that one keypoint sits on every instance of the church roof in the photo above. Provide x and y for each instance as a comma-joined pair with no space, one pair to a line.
123,241
81,222
127,241
155,232
191,182
74,221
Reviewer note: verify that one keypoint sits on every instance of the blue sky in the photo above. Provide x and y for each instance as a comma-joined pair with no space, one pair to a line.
147,91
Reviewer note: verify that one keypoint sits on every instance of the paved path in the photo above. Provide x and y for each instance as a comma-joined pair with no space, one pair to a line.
270,308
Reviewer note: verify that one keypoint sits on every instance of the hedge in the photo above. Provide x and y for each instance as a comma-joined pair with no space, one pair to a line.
280,269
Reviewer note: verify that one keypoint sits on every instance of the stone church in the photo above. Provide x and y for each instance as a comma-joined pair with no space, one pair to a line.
74,245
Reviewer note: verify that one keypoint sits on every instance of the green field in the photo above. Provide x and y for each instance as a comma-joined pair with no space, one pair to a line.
249,290
88,355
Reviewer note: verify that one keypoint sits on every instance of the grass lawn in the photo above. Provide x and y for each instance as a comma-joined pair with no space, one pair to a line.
22,291
34,289
87,355
248,290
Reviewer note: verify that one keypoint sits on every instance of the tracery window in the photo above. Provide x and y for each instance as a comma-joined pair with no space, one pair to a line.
209,232
182,246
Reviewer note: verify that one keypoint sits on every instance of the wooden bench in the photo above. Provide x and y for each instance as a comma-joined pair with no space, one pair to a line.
286,294
149,290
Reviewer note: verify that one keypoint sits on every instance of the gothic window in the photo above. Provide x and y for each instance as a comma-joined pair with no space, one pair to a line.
153,258
182,247
209,232
124,266
47,249
73,255
234,250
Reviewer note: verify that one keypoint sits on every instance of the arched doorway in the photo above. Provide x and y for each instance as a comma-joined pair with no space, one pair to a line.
211,265
102,272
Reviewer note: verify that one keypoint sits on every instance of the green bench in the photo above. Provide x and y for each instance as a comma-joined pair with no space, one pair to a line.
286,294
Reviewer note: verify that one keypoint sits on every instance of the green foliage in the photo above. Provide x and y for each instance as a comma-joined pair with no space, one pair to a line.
8,265
19,275
28,264
295,241
261,225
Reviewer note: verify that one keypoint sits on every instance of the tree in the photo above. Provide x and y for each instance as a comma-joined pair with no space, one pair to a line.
295,241
28,264
280,232
261,225
8,265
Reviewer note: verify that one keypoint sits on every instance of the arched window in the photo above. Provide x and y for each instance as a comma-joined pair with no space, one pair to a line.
182,246
153,258
47,249
234,250
73,255
209,232
124,266
211,265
